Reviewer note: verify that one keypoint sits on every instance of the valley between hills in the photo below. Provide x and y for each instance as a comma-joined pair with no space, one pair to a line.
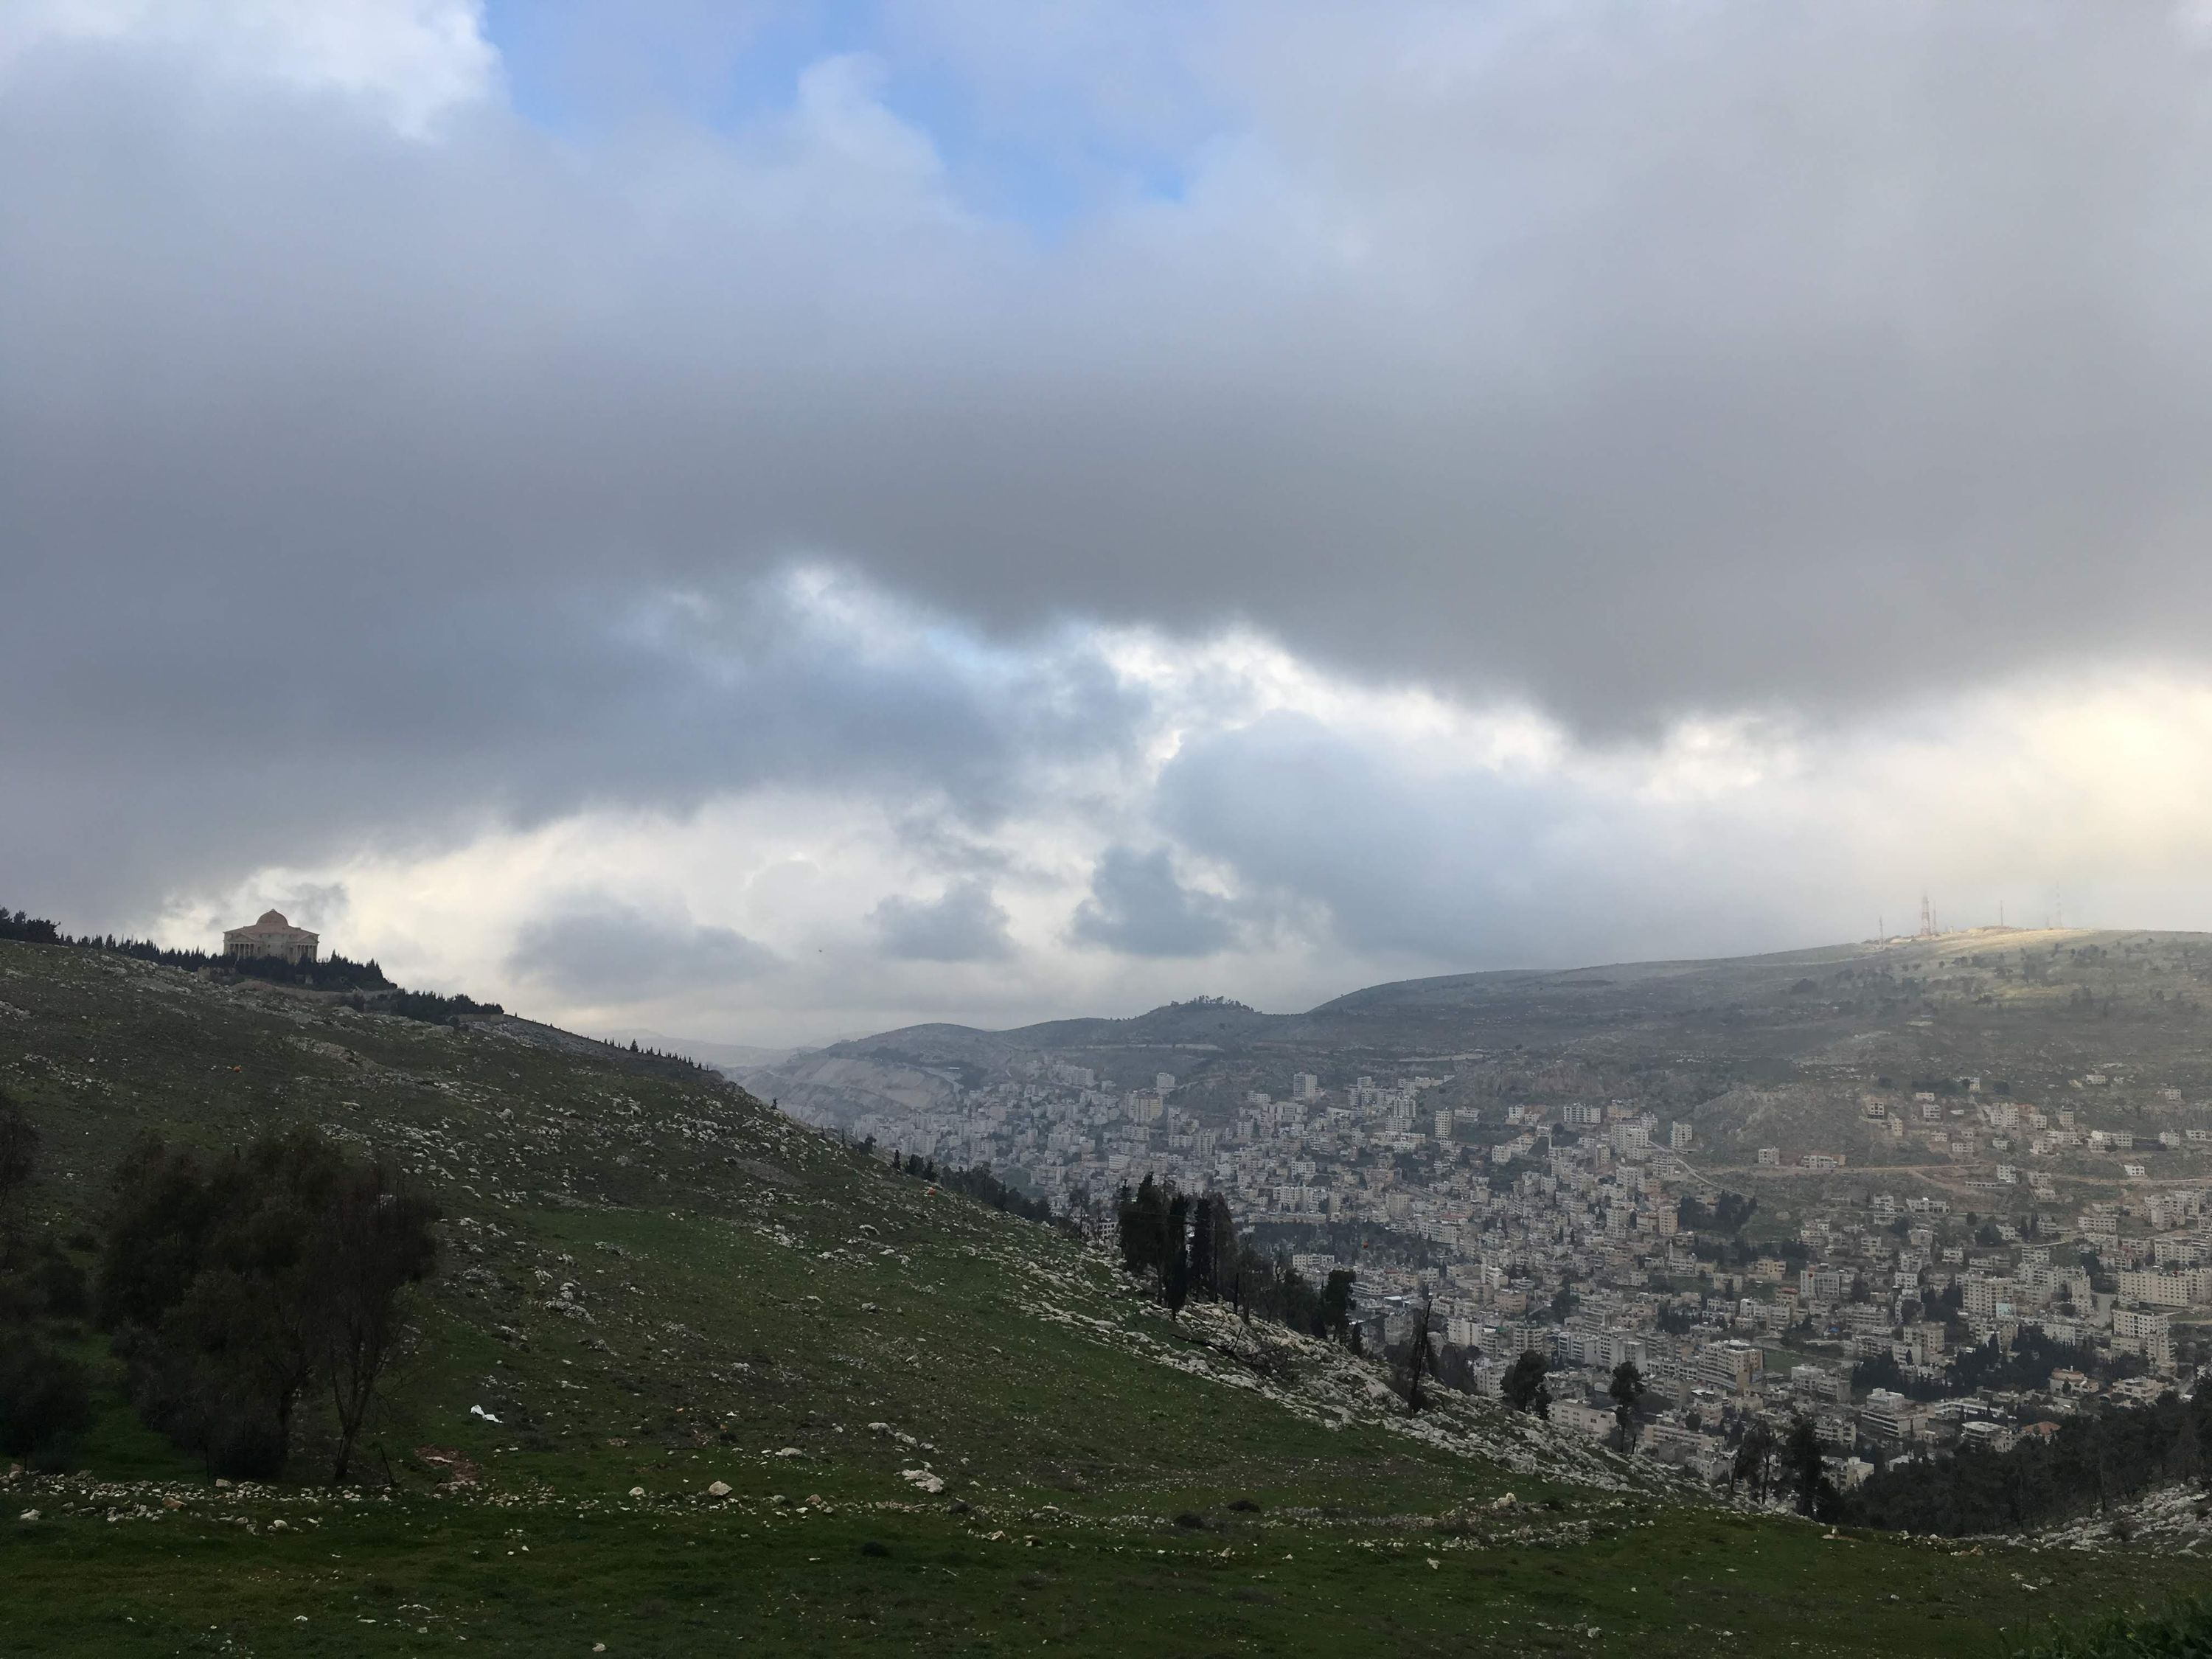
692,1375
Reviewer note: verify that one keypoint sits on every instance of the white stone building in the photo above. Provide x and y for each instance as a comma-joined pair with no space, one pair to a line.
272,936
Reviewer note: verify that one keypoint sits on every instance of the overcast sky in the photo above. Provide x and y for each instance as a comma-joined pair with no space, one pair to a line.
764,521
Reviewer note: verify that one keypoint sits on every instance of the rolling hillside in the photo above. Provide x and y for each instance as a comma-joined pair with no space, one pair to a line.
937,1427
1785,1045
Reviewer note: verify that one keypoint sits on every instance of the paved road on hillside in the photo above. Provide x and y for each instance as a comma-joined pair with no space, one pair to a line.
1947,1175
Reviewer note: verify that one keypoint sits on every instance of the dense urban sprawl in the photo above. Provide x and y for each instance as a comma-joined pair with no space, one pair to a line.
1896,1320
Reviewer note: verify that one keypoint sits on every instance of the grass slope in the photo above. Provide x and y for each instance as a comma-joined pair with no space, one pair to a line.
653,1282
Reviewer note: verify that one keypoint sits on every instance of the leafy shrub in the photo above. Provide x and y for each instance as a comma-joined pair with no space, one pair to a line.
234,1289
45,1397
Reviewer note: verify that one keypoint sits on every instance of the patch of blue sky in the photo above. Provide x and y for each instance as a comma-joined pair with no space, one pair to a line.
576,67
1045,174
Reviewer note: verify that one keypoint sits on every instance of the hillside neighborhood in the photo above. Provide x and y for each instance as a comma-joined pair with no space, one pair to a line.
1976,1270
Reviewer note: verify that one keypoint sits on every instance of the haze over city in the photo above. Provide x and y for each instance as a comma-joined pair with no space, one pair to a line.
772,522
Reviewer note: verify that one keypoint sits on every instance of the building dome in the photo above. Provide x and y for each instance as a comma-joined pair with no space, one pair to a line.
272,919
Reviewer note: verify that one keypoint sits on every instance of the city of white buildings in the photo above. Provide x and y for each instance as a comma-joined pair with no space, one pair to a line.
1583,1232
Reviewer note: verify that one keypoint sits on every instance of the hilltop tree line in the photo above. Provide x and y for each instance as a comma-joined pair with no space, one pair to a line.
978,1182
433,1007
330,973
242,1294
371,989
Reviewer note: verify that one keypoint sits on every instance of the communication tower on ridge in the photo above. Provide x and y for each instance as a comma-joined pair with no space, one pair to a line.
1927,917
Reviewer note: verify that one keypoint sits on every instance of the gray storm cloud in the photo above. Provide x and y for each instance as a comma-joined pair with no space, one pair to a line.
597,949
370,483
964,924
1139,905
1467,863
421,719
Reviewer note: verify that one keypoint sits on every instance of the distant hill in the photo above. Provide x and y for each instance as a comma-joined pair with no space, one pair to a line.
1783,1042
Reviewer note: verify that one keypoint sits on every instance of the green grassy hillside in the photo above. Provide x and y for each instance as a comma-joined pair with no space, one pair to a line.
941,1428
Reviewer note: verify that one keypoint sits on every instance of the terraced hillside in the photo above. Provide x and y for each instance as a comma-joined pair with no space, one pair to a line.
932,1427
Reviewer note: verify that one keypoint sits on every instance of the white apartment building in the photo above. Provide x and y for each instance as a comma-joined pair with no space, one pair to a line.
2145,1332
2157,1288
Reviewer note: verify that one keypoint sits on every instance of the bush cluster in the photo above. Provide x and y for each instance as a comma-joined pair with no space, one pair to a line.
236,1288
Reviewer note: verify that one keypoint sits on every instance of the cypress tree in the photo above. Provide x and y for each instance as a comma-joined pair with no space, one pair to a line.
1175,1250
1803,1460
1201,1274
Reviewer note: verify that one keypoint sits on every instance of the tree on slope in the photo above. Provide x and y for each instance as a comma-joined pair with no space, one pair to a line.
1336,1305
1524,1386
375,1243
1201,1246
1418,1359
1153,1226
1626,1391
1754,1462
1804,1463
1212,1246
233,1288
1175,1251
1141,1227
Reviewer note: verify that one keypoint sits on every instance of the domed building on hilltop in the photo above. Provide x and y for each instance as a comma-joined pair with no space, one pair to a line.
272,936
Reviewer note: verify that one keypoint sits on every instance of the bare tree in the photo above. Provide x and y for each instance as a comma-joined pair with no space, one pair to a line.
1754,1460
1419,1360
377,1245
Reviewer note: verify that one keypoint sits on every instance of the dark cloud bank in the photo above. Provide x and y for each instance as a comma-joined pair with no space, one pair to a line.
966,924
360,487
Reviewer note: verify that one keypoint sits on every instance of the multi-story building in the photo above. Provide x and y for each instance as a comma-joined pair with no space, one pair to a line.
1890,1418
1731,1366
2145,1331
2165,1288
